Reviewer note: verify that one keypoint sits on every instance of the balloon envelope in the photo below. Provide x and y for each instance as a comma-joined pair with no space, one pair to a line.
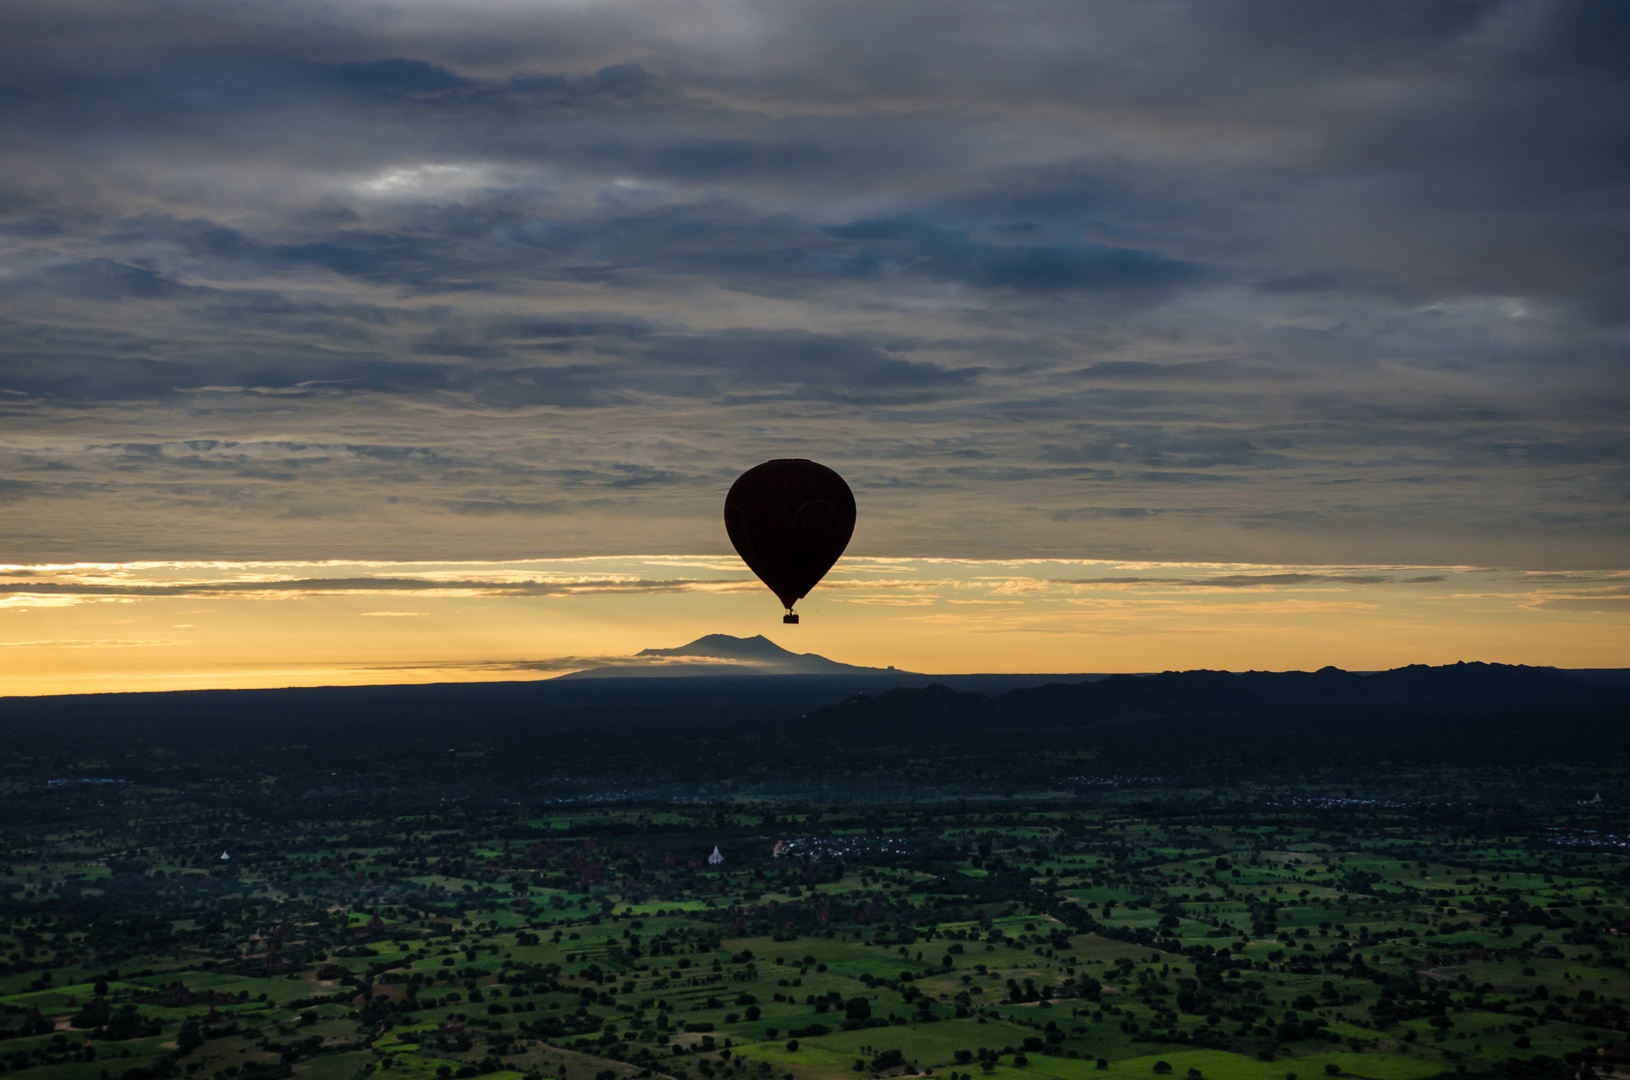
790,519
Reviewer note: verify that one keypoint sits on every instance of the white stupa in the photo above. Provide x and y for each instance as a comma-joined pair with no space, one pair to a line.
716,858
225,856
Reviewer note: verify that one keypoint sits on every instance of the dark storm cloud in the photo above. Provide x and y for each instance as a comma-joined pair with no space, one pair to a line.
914,246
1163,446
101,378
1207,371
709,160
1312,282
203,88
812,365
1336,280
493,362
94,279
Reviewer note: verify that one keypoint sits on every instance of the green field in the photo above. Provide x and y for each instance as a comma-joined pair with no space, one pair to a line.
1239,941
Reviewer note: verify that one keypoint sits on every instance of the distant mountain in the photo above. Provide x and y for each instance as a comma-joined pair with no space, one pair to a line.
722,654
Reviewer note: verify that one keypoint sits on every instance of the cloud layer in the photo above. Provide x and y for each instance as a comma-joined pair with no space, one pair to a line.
1252,280
173,625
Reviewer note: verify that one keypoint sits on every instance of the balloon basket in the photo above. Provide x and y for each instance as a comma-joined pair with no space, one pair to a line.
790,618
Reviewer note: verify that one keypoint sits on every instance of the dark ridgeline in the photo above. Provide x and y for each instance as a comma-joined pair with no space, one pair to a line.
1176,722
1216,694
859,734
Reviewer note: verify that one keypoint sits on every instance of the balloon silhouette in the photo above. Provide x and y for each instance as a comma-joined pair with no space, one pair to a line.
789,519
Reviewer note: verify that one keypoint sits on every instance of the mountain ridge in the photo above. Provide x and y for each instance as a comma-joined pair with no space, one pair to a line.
1180,694
724,654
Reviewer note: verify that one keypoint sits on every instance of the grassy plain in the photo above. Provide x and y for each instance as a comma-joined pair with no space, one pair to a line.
1228,941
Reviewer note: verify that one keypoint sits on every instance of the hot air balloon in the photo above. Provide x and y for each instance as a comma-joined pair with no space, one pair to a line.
789,519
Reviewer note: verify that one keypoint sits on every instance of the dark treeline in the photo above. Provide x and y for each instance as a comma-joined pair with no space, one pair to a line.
832,736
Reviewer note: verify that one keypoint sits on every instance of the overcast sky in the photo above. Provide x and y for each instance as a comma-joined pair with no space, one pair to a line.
1229,280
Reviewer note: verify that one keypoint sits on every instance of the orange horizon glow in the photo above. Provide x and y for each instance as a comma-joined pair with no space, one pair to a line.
119,627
